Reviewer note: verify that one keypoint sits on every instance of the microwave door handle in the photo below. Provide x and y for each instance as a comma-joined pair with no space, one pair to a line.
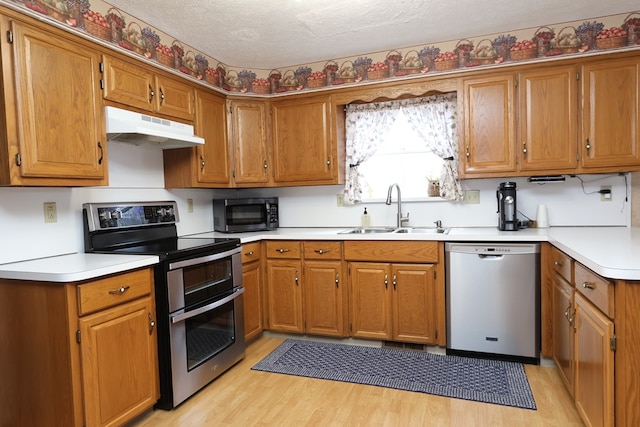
184,316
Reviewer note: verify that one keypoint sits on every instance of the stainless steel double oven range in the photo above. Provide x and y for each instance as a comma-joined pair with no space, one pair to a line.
198,291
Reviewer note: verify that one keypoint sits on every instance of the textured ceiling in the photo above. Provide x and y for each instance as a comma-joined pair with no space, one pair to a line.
273,34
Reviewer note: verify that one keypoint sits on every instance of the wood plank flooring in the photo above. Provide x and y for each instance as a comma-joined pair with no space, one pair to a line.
242,397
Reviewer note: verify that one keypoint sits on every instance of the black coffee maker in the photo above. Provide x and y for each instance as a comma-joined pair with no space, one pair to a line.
507,210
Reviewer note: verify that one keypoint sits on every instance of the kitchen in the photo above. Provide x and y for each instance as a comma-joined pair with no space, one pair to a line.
30,237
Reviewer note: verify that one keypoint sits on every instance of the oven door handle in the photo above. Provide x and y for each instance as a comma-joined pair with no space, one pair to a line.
193,313
203,259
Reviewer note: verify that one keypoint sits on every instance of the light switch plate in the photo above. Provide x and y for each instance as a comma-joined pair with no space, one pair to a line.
471,197
190,205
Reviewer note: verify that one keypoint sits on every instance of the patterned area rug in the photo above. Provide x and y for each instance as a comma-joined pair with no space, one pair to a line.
489,381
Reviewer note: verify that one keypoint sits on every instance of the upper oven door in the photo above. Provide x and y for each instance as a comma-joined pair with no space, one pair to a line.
195,280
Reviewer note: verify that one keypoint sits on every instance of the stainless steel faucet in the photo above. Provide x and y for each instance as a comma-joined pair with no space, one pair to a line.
401,219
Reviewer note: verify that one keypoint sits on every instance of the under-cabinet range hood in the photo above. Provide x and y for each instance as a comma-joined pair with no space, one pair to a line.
137,129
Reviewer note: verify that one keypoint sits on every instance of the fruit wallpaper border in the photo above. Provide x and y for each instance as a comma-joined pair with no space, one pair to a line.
113,27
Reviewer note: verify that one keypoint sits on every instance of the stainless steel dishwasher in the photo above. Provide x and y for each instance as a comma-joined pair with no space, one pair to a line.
493,300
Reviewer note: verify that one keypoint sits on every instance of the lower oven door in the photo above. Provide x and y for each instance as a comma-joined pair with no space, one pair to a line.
205,341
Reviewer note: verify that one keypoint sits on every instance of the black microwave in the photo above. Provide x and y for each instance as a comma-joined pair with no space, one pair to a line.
241,215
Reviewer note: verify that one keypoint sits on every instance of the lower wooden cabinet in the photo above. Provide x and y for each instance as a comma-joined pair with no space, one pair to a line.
252,283
118,353
584,340
393,301
306,290
80,354
594,359
563,330
396,290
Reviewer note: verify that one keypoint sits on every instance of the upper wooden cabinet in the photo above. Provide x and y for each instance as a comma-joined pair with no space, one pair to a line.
205,166
611,117
488,138
305,151
250,142
53,131
129,84
547,119
520,123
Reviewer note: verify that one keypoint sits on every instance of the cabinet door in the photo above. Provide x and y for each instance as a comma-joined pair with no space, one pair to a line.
303,142
212,158
174,98
547,119
59,111
284,295
489,125
251,280
128,84
610,114
119,363
414,310
594,364
249,141
563,332
324,298
370,300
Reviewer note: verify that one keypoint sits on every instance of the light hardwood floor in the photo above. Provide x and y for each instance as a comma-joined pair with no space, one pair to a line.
242,397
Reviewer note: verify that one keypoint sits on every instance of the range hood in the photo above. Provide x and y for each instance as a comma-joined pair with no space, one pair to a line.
136,128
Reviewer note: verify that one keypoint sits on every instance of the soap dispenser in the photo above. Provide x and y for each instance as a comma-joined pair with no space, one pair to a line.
365,220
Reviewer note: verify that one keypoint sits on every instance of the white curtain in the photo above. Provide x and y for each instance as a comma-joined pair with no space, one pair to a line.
366,127
434,118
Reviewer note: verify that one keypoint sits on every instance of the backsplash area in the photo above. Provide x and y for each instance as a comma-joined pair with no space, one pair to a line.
136,174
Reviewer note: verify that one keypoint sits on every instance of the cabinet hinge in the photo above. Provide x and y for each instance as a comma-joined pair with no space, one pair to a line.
101,84
233,174
435,274
101,67
613,343
9,36
18,159
515,82
578,76
78,336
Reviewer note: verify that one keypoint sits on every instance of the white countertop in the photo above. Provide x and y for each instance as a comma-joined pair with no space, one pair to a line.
612,252
74,267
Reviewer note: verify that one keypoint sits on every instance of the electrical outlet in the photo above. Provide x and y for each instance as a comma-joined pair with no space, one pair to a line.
340,200
471,197
190,205
50,212
605,193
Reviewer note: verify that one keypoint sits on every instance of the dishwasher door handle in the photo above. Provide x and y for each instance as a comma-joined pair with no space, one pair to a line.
490,256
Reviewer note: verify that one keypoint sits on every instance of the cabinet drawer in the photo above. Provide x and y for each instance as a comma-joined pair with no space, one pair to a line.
284,249
322,250
251,252
595,288
562,264
102,293
391,251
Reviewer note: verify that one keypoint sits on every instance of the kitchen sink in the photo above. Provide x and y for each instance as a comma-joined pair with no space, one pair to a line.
403,230
368,230
418,230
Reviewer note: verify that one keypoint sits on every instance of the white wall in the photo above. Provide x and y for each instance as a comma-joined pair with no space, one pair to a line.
566,202
135,174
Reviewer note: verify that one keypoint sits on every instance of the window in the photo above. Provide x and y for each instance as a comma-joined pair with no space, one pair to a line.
406,142
402,158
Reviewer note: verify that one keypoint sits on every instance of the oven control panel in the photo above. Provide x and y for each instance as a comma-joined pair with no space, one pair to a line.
103,216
